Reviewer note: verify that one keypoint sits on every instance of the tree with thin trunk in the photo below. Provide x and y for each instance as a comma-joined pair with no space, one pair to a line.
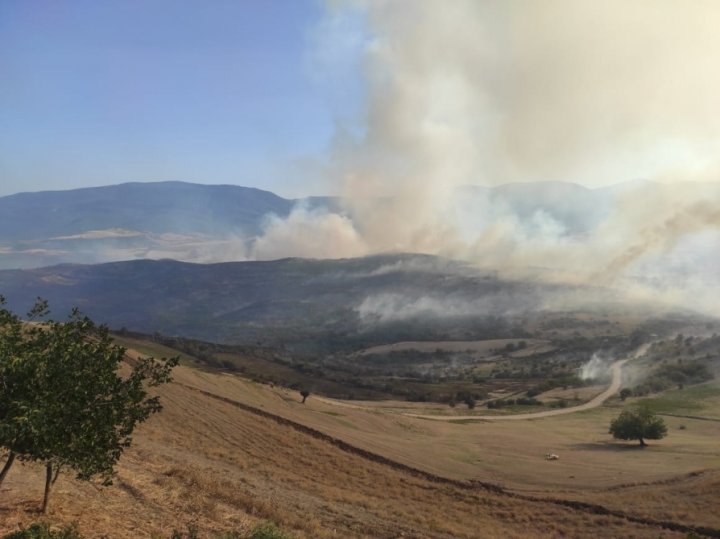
78,410
304,394
638,423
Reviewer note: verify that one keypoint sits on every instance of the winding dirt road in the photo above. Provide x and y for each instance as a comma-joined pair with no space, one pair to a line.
613,388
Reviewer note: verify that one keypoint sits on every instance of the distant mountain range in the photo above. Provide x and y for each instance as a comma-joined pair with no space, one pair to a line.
131,220
182,220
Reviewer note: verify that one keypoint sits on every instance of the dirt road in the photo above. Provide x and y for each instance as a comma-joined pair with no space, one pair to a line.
613,388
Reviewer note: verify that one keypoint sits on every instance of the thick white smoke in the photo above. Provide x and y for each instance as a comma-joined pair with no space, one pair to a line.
465,92
597,367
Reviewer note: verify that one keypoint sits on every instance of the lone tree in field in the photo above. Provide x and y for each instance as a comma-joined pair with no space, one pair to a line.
65,401
304,394
638,424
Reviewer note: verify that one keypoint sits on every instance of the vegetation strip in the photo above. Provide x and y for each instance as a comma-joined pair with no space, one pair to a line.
468,485
699,418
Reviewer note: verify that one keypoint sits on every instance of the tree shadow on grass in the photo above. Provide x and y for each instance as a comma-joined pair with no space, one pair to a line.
609,446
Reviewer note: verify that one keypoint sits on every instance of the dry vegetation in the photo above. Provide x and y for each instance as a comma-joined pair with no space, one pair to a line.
207,462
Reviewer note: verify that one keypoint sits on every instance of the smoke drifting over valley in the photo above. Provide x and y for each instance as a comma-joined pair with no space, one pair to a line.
569,141
464,93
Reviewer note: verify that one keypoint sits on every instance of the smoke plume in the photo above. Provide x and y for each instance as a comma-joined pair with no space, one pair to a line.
465,93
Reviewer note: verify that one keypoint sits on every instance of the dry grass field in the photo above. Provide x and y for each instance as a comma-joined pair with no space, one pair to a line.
208,462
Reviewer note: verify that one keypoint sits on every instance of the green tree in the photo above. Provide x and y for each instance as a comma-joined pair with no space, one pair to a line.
16,385
625,393
304,394
638,424
72,403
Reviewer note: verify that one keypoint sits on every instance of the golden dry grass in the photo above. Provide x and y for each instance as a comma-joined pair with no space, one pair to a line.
207,462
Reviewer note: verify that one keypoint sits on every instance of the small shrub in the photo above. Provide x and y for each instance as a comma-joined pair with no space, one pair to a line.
268,530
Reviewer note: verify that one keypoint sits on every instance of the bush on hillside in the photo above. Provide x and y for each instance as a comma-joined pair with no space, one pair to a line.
268,530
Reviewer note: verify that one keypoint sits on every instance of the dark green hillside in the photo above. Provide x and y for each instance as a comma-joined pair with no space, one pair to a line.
289,301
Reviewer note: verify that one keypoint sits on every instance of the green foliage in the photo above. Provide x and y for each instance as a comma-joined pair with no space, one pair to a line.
625,393
268,530
520,401
638,423
18,407
42,530
691,400
64,402
677,375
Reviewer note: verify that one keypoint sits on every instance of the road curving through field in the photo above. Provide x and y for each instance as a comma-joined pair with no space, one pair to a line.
614,387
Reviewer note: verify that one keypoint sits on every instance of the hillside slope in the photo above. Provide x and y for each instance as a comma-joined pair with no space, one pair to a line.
208,462
282,300
176,207
135,220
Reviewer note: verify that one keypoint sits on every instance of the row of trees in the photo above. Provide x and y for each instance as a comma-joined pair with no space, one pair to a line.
63,399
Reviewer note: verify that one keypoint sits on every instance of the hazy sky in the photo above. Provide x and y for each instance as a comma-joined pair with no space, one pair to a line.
358,97
94,93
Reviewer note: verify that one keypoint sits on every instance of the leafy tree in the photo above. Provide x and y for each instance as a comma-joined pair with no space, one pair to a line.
16,385
638,424
625,393
304,394
70,402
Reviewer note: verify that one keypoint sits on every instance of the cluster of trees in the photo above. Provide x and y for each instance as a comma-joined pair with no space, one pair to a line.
466,397
522,401
64,401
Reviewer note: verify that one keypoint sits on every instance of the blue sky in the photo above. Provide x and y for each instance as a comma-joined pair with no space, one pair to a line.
242,92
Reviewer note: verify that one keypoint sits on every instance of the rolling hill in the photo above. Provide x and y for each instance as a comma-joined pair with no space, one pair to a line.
131,220
226,454
284,300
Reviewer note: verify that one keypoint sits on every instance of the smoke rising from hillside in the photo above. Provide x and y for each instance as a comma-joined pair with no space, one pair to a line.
597,367
464,93
468,92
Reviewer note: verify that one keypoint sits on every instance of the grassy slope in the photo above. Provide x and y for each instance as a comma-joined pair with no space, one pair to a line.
207,461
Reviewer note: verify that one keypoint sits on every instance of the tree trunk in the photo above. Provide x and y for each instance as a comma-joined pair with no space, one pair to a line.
57,472
642,442
48,482
6,468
